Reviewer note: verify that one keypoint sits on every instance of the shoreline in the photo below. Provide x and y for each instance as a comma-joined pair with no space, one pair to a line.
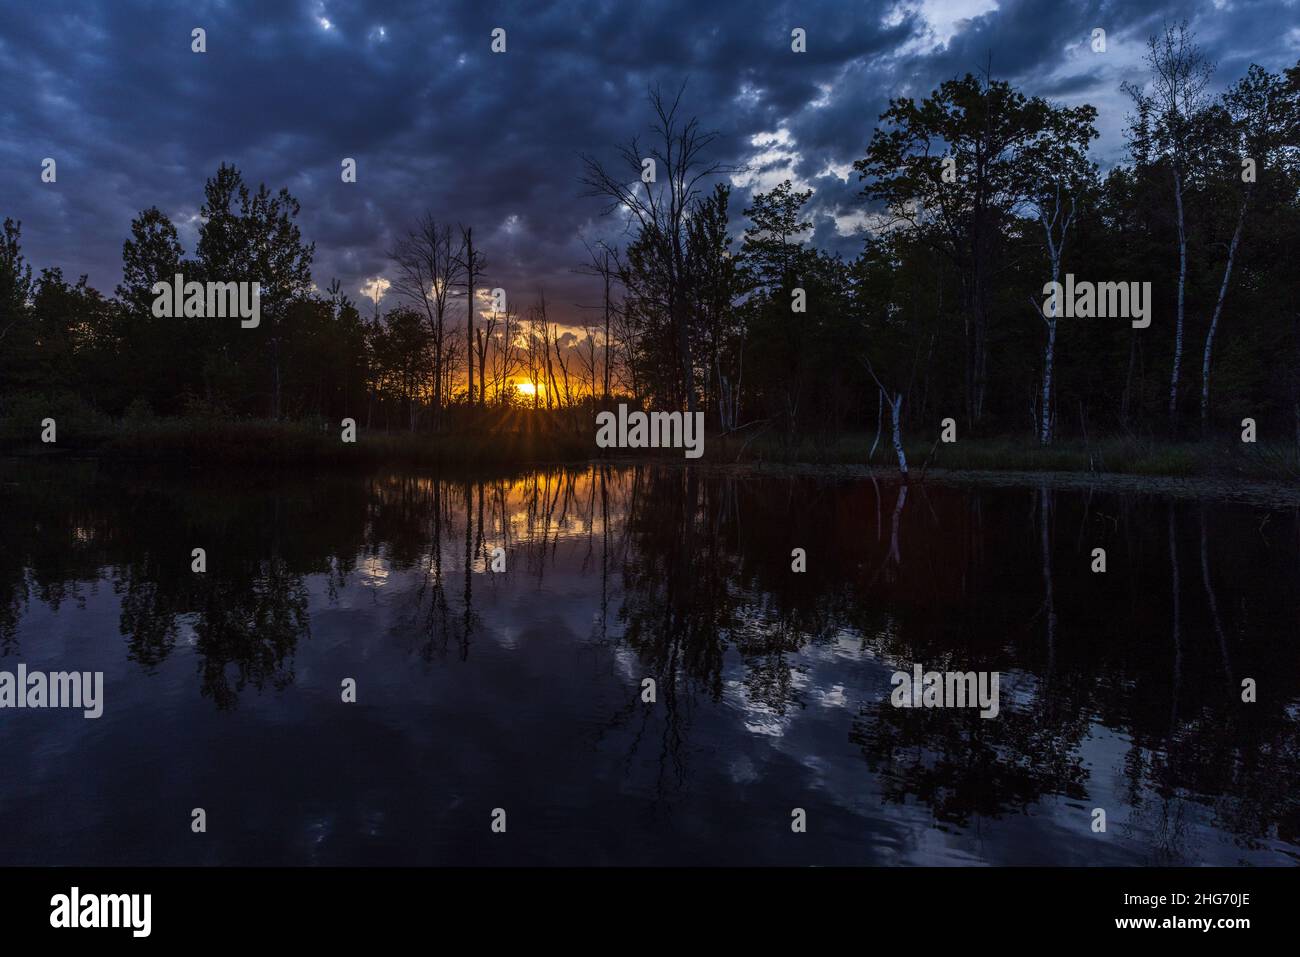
1002,460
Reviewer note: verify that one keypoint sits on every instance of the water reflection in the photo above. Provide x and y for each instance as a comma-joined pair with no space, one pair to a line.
482,685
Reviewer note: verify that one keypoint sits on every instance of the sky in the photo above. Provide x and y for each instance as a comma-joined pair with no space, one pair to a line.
436,121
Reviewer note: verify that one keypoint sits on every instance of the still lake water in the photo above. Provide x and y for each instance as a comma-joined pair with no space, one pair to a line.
521,689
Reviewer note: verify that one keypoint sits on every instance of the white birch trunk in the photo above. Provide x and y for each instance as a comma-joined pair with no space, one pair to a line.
1055,249
880,420
1218,310
1045,429
1182,285
1049,354
895,409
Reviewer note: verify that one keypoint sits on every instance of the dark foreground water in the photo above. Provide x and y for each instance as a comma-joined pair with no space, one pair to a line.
521,690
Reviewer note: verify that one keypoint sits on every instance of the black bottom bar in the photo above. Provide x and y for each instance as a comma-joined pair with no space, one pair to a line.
243,905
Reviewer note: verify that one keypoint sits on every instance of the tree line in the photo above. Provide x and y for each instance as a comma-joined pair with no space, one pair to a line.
975,196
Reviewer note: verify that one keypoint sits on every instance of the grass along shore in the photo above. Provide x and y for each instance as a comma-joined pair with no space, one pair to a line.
260,441
1222,457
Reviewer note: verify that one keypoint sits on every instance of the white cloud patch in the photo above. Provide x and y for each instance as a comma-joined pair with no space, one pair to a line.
375,289
841,171
940,20
774,160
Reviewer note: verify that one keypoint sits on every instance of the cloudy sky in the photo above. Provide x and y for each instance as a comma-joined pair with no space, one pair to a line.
436,121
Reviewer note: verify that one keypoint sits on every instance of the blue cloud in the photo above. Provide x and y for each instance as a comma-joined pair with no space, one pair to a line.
435,120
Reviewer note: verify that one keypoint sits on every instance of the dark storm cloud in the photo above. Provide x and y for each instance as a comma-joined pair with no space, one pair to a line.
436,121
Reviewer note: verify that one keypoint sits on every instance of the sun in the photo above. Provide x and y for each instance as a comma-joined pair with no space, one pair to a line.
526,388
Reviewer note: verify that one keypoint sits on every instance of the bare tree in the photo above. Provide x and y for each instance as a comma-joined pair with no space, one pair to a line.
484,340
662,194
895,400
472,265
605,265
589,365
564,366
506,358
426,270
543,326
1256,114
1056,219
455,350
1058,166
627,343
1168,111
535,343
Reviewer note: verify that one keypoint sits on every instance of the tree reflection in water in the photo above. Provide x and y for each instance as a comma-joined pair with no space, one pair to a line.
684,575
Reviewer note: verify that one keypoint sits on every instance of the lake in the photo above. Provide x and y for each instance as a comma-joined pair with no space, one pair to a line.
520,689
